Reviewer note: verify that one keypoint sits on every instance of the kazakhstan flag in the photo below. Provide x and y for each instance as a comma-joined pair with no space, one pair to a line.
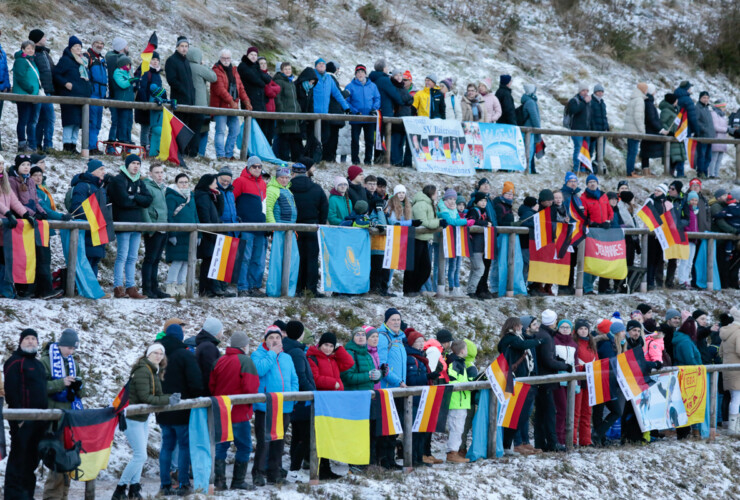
342,425
345,259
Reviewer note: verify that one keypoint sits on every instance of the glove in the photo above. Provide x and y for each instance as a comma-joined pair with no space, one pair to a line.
175,398
374,113
470,222
76,385
133,80
29,218
173,240
569,368
443,223
605,225
658,365
347,111
384,370
40,216
381,229
66,217
416,222
11,221
374,375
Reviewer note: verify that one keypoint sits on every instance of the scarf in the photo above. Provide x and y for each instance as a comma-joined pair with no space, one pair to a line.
127,174
307,86
625,215
233,91
185,194
595,193
57,372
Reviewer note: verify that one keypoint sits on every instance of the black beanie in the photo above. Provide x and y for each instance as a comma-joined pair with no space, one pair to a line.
633,324
611,195
546,195
444,336
626,196
295,329
29,331
580,322
529,201
698,313
280,324
725,319
328,338
644,308
36,35
390,312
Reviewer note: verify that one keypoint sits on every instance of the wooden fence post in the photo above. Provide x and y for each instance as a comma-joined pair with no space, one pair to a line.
441,265
667,158
714,384
643,261
570,414
408,423
711,246
600,147
246,135
388,135
90,490
579,269
510,271
317,130
74,238
287,251
492,424
527,148
85,144
313,457
192,259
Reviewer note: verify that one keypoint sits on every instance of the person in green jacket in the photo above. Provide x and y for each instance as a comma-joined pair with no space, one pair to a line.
26,81
668,113
472,372
154,242
459,402
145,387
422,209
65,390
339,203
279,199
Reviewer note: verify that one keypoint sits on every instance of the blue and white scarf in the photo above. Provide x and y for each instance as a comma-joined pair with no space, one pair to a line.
57,372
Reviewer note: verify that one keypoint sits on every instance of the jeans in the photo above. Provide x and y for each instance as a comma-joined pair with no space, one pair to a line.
96,121
124,125
368,130
113,132
225,143
684,266
126,255
632,146
678,167
153,248
145,135
26,128
70,134
171,435
430,285
715,163
242,440
44,125
398,140
253,266
703,158
203,144
588,282
136,434
453,272
577,143
177,272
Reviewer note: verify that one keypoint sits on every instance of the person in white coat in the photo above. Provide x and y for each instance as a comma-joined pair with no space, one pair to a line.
634,122
490,101
719,119
453,110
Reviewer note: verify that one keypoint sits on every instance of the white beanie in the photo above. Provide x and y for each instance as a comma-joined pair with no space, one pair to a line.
119,44
400,188
651,89
549,317
155,347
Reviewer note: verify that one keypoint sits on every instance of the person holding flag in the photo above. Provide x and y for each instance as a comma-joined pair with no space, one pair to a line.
655,252
10,208
85,185
671,122
598,213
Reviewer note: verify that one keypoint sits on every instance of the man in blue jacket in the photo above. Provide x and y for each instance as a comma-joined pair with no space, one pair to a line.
599,120
364,99
97,68
392,356
324,91
229,216
683,93
277,374
4,82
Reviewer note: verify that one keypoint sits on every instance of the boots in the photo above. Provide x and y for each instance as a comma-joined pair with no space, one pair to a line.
120,493
325,472
133,293
134,491
237,481
732,426
70,147
119,292
22,146
160,294
181,290
456,458
219,481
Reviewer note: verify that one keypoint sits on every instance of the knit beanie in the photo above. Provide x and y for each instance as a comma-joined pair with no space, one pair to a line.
692,195
35,169
123,62
530,88
504,80
444,336
633,324
703,93
526,321
369,330
432,77
253,160
253,49
672,313
626,196
327,338
361,207
132,158
119,44
699,313
478,196
662,188
449,193
448,83
338,181
36,35
670,98
565,322
93,165
546,195
272,329
643,87
181,39
299,168
677,184
73,40
332,67
283,171
611,195
400,188
390,312
604,326
616,327
460,199
549,317
357,330
483,181
685,84
353,172
213,326
591,177
239,340
69,338
280,324
154,348
580,322
412,336
570,176
29,331
295,329
21,159
529,201
174,331
644,308
508,187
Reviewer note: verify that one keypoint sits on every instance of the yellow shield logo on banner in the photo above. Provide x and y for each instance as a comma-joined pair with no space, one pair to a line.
693,382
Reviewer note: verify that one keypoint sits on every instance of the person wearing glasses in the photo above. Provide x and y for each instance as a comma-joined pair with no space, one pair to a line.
250,193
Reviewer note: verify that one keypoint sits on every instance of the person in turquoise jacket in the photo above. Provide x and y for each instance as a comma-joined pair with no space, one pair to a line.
26,81
391,351
685,353
123,90
339,203
447,210
277,374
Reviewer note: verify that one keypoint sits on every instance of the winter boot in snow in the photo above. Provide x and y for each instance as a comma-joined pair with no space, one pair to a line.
240,472
120,493
134,491
133,293
219,481
171,289
455,458
733,425
22,146
181,290
119,292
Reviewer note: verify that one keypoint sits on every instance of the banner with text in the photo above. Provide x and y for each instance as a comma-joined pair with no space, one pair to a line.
438,146
492,146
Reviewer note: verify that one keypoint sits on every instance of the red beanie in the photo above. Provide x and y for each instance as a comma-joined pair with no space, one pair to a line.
353,172
604,326
412,335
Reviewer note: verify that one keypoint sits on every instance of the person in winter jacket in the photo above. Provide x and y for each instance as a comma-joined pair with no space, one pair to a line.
599,121
599,213
565,350
119,49
154,243
683,93
634,123
391,351
503,94
206,348
26,80
229,216
668,114
447,210
97,68
423,210
479,266
531,110
280,201
202,75
179,75
653,125
227,92
471,107
44,112
123,90
585,353
83,186
325,93
180,208
706,129
418,373
655,253
288,131
719,119
277,373
685,353
183,376
72,79
339,203
272,90
689,212
389,96
4,81
150,120
210,206
328,362
430,101
364,99
250,192
130,198
490,102
730,348
25,388
579,111
400,152
235,373
254,81
453,110
459,402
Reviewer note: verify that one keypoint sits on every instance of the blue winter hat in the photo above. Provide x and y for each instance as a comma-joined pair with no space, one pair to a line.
565,322
390,312
591,177
569,176
174,331
616,327
299,168
505,79
73,40
93,165
692,195
319,60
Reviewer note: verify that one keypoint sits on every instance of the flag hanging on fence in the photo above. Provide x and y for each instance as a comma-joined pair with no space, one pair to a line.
633,374
691,152
42,233
223,430
462,241
228,254
500,378
449,242
682,125
379,139
584,155
433,408
649,215
703,256
606,253
99,217
546,267
387,421
693,383
511,409
344,253
19,249
563,233
146,56
539,149
601,379
675,236
175,137
542,228
274,425
580,228
337,415
399,248
94,429
489,243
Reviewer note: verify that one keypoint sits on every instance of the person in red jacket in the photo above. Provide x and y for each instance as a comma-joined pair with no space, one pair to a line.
586,353
235,373
227,92
250,192
272,90
598,213
327,362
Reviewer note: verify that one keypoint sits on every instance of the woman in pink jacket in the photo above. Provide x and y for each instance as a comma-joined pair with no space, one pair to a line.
490,102
719,120
10,208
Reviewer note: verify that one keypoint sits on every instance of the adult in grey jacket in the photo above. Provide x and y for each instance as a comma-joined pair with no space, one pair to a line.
120,48
44,112
580,111
706,129
201,74
599,122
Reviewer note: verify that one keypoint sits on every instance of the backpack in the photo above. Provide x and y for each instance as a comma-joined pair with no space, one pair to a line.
567,117
521,116
55,456
68,200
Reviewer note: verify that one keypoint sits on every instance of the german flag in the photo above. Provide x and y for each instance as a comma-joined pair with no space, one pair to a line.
399,248
511,410
146,56
122,399
489,242
462,241
274,428
632,373
682,125
562,239
19,248
601,379
175,137
387,421
433,408
542,228
539,149
605,254
691,152
500,378
223,430
42,233
678,243
98,216
649,215
94,430
228,254
584,156
578,233
449,242
545,266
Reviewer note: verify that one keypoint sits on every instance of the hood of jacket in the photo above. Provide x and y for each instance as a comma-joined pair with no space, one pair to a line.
315,351
528,97
376,75
727,331
420,197
194,55
88,178
307,74
205,336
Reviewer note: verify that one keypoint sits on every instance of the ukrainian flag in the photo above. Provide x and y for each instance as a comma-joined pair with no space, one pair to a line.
337,416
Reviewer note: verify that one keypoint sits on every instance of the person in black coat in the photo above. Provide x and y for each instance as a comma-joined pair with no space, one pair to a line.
25,387
183,377
400,152
599,120
312,207
85,185
547,364
579,110
389,97
206,350
180,77
255,80
653,125
71,79
508,108
300,418
210,206
45,65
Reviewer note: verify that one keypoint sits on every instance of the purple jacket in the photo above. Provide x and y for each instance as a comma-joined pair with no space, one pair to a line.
25,190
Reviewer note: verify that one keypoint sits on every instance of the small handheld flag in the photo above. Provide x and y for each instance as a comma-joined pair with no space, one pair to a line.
175,137
449,243
146,56
462,241
99,218
543,228
580,226
682,125
500,378
584,156
632,373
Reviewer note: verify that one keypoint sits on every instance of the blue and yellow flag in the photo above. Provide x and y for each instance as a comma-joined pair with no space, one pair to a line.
337,415
345,259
